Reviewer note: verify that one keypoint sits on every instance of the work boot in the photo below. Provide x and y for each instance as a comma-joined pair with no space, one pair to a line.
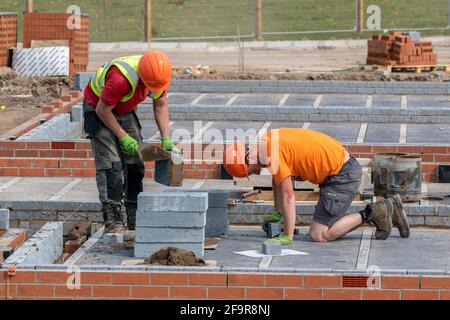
276,217
131,218
399,218
114,222
379,214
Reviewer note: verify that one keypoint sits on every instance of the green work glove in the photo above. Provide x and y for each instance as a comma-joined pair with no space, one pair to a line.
130,145
167,145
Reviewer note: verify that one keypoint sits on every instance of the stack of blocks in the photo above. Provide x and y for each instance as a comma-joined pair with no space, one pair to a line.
170,219
4,219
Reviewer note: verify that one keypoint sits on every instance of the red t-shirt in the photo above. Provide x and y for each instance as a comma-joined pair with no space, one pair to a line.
116,87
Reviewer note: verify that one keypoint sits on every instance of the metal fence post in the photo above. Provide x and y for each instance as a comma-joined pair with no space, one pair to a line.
147,20
258,19
360,16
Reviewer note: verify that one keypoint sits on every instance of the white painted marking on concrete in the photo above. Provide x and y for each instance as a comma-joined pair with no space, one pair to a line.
364,249
264,129
404,103
265,262
85,247
9,184
362,133
403,129
306,125
199,134
232,100
318,101
369,102
198,99
65,189
283,100
198,184
157,132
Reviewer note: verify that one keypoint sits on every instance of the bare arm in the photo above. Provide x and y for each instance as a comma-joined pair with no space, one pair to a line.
105,114
287,203
161,110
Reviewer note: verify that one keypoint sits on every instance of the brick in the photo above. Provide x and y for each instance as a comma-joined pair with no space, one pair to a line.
83,291
58,172
78,154
9,171
269,248
112,291
45,163
429,282
429,168
445,295
136,278
284,280
96,277
226,293
442,158
83,146
20,163
400,282
420,295
360,149
208,279
38,145
427,157
7,291
20,277
27,153
6,153
72,163
265,293
169,278
188,292
381,295
72,246
12,145
332,281
51,153
84,172
34,172
149,292
35,290
90,163
434,149
236,280
342,294
428,177
384,149
303,294
52,277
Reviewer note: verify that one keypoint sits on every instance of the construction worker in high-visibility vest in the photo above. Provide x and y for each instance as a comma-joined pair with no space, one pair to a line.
111,123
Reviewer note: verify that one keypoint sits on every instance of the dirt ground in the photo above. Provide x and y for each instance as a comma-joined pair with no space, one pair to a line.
174,257
22,98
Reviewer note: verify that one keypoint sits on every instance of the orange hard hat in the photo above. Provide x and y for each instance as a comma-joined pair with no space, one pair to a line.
234,160
155,70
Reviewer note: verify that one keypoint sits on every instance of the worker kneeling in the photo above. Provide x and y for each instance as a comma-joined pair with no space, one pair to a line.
306,155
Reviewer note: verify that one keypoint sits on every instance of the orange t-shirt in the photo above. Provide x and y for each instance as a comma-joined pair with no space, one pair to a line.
304,154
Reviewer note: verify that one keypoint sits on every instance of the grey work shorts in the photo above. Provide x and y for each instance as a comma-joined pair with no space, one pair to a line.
337,193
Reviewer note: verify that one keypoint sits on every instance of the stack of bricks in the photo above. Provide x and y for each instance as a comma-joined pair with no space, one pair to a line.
397,49
54,26
8,35
170,219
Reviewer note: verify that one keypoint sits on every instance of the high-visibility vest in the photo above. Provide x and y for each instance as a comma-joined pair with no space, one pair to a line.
128,66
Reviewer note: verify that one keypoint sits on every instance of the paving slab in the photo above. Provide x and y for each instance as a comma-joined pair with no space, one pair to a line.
182,98
386,101
344,132
228,131
278,125
438,134
22,190
349,100
258,99
301,100
382,133
437,102
215,99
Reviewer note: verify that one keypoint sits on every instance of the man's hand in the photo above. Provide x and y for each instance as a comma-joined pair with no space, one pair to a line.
168,145
130,145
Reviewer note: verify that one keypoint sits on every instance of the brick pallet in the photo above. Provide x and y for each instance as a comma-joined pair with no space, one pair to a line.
53,26
8,35
397,49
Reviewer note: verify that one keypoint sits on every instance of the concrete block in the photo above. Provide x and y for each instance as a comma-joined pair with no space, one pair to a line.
169,235
416,221
82,79
76,115
145,250
171,219
438,221
4,219
217,223
270,248
274,229
44,247
173,202
112,238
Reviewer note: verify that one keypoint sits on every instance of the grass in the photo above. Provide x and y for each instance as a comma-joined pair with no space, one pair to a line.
122,20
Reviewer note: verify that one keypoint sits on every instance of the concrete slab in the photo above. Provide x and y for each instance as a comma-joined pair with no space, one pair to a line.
437,102
334,100
427,134
344,132
229,131
382,133
258,99
215,99
21,190
424,250
386,101
301,100
182,98
278,125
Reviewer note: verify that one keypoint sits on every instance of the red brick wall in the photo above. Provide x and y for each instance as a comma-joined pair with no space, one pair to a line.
157,285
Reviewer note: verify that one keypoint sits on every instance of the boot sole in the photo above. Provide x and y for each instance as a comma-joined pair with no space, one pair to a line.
383,235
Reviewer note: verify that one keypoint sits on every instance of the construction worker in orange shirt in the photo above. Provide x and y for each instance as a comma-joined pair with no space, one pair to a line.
307,155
